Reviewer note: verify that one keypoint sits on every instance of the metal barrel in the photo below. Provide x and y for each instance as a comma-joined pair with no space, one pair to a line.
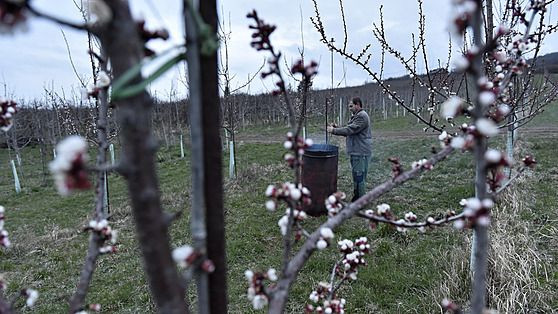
319,175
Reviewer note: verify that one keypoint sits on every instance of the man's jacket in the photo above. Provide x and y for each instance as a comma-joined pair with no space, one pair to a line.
358,133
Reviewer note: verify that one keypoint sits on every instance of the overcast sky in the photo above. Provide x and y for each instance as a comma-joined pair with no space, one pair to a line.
39,58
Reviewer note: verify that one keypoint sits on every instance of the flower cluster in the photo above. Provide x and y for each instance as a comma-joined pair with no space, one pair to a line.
334,203
283,223
7,110
262,32
449,305
4,241
103,81
383,210
298,145
13,16
397,169
465,10
257,291
335,305
476,212
286,191
529,161
146,35
352,257
185,256
307,71
495,160
421,163
261,42
452,107
107,234
325,235
69,167
100,13
96,307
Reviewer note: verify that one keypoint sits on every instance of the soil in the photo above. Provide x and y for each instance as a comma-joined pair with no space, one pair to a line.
539,132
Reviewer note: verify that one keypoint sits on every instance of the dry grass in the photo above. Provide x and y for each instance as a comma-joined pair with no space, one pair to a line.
515,262
519,270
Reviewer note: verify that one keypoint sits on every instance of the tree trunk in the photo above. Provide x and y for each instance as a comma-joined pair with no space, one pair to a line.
215,221
122,43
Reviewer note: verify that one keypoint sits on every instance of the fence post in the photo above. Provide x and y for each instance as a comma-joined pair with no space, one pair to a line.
231,160
111,148
16,179
181,147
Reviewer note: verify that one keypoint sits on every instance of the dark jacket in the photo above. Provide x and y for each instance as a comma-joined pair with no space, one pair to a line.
358,133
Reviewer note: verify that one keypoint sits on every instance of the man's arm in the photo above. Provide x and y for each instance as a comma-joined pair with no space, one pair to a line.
358,124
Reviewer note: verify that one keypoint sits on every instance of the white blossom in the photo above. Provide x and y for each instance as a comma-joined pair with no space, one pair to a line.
474,203
181,255
272,274
483,220
458,142
283,224
486,98
326,233
259,302
100,12
309,142
487,127
459,224
461,63
270,191
504,109
32,296
249,274
270,205
383,209
443,136
321,244
288,145
314,297
493,156
295,194
103,80
451,107
487,203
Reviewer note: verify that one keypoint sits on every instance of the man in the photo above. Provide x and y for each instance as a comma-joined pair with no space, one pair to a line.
359,144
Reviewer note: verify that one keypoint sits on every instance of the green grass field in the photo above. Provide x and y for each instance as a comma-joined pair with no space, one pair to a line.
407,273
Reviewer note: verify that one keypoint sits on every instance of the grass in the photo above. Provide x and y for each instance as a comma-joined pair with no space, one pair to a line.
407,272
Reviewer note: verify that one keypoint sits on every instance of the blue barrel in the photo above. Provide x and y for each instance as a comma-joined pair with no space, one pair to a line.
319,175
